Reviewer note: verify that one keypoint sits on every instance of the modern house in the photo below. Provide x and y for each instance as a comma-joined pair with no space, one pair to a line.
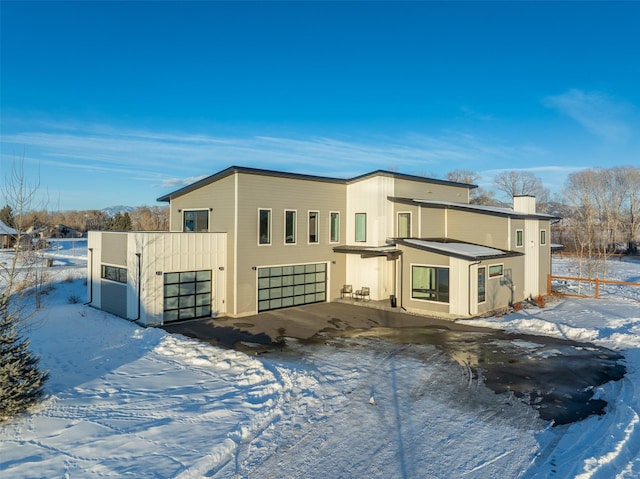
246,240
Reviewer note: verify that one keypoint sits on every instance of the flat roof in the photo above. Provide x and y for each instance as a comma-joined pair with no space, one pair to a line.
492,210
457,249
389,251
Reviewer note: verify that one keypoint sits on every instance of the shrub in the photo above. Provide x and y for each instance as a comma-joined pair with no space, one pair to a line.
73,299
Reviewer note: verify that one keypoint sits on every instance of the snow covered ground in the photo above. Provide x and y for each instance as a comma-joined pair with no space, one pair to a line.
124,401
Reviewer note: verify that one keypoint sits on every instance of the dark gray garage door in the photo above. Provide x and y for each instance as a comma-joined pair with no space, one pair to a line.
187,295
285,286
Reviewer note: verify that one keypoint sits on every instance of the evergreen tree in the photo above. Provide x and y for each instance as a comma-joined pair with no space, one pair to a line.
119,222
126,221
6,216
21,381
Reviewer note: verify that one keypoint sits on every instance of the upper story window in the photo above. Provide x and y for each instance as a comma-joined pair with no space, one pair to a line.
334,221
290,226
195,220
113,273
404,225
264,227
313,226
361,227
519,238
543,237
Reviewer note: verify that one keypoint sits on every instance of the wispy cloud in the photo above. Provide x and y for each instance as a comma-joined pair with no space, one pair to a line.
149,163
595,111
471,113
171,158
180,182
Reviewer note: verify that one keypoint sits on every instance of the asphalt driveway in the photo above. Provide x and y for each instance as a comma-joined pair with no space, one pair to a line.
555,376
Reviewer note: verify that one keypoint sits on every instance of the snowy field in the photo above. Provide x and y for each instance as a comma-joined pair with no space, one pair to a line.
124,401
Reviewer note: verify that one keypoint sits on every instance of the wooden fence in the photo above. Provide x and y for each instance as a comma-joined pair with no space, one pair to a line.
595,281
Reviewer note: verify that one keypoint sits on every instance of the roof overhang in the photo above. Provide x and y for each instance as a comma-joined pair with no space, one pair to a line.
390,252
481,209
456,249
300,176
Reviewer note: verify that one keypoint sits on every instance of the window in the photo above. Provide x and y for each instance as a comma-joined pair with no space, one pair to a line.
519,238
290,227
334,220
482,284
113,273
430,283
543,237
313,226
496,270
187,295
264,227
361,227
196,221
404,225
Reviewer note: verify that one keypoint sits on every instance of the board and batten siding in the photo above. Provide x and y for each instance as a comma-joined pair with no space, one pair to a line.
220,197
279,194
545,257
162,253
370,196
150,255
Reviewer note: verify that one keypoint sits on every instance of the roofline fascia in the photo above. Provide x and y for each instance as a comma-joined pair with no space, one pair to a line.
422,179
469,207
249,171
301,176
507,254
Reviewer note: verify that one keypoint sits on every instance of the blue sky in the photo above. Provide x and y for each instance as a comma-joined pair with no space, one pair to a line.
121,102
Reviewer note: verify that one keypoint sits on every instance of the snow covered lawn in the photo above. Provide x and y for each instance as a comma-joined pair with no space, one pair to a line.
124,401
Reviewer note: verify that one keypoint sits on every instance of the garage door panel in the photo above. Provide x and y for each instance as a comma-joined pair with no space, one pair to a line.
187,295
295,285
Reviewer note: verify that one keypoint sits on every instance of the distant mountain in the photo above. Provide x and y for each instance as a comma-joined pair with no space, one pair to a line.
112,210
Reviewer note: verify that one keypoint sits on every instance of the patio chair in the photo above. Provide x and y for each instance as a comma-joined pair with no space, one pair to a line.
347,289
363,293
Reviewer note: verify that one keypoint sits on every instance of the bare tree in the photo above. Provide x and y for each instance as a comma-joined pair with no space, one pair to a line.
21,380
630,214
605,205
581,193
477,196
518,183
152,218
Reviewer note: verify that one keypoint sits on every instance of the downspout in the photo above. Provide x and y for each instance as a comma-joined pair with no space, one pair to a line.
90,277
401,282
138,255
469,280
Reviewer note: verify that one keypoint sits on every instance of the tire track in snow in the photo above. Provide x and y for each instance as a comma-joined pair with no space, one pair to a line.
569,453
